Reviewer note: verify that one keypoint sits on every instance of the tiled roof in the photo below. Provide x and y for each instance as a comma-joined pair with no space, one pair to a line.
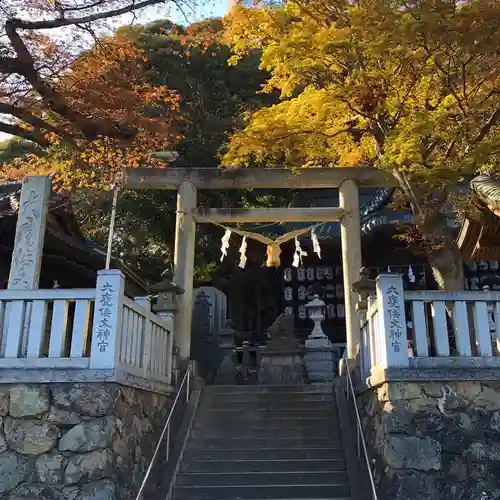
373,208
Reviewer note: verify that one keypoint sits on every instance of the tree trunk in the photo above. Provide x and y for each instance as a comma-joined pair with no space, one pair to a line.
442,251
447,267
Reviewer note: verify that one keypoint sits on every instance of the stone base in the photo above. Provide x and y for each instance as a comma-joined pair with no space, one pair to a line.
319,365
318,359
434,440
281,368
77,441
227,370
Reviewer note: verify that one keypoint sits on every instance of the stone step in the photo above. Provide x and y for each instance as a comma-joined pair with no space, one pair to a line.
264,443
234,424
202,454
258,397
314,465
253,414
209,405
253,389
261,443
261,478
325,432
264,492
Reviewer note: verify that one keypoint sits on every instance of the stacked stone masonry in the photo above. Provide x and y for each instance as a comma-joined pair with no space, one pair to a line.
435,440
76,441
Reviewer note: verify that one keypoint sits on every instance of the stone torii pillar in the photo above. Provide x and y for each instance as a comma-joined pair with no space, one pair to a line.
351,259
185,240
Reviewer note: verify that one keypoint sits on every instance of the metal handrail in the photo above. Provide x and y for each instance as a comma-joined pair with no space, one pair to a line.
166,428
361,439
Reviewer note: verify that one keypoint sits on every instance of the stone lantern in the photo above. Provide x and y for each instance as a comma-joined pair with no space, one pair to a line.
164,303
318,356
316,312
165,298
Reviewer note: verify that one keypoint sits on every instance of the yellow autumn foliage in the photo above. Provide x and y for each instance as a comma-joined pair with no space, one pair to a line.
407,86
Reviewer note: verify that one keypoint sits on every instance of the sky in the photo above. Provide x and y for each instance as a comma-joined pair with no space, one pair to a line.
211,8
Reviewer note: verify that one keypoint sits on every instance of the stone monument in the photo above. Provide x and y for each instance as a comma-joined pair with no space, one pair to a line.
281,334
227,371
281,361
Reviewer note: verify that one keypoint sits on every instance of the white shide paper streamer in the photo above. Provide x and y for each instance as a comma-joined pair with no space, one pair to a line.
299,253
225,244
315,242
243,251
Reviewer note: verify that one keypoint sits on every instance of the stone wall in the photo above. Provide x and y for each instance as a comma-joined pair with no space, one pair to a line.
435,440
76,441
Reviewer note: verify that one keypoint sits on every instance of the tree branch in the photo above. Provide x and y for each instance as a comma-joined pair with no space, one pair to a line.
450,147
493,120
446,73
429,150
58,23
22,52
409,190
30,135
11,65
322,134
402,101
35,121
23,65
84,7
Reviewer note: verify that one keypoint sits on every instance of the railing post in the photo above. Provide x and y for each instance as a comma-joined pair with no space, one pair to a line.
166,309
144,302
169,317
391,336
107,319
148,331
372,328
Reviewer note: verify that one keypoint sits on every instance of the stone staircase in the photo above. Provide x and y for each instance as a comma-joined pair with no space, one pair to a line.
269,442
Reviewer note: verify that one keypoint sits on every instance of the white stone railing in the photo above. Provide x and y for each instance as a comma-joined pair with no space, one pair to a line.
369,327
45,328
99,330
454,323
428,329
146,342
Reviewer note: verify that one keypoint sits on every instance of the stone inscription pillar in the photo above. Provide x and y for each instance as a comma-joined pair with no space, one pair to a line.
30,233
26,261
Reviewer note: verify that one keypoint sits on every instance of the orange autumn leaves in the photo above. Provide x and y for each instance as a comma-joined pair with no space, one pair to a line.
109,82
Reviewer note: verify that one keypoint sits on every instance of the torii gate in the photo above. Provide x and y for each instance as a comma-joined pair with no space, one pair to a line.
187,182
